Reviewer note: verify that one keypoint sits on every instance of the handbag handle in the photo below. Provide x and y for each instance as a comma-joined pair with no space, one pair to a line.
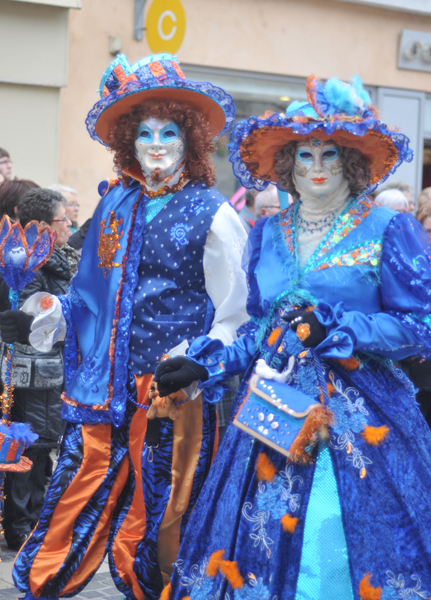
316,359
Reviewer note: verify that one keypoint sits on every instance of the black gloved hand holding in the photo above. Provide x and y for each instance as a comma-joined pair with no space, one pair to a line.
317,331
15,326
176,373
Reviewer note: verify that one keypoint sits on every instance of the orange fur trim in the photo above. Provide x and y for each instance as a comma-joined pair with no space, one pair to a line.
273,336
166,594
186,598
214,563
375,435
318,419
331,389
289,523
367,591
350,364
265,470
230,570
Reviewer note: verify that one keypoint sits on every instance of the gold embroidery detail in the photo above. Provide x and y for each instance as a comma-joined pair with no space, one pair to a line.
109,243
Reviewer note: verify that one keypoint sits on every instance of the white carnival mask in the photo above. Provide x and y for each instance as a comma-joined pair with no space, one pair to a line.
159,146
318,169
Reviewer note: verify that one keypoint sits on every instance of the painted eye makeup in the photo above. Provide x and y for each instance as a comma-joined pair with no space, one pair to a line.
330,154
145,134
304,155
169,133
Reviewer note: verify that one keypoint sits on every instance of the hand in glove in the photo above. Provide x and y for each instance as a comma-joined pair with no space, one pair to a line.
176,373
15,326
307,327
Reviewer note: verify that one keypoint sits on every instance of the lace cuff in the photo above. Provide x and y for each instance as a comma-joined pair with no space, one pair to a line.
49,325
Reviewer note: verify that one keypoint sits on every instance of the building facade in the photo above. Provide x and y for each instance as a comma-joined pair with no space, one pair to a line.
34,42
259,51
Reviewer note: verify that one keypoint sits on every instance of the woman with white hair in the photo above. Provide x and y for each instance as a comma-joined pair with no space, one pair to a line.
394,199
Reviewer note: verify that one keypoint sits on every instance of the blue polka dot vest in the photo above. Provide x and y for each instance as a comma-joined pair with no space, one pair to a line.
170,303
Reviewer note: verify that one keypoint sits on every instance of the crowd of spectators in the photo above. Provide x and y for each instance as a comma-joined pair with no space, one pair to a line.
38,377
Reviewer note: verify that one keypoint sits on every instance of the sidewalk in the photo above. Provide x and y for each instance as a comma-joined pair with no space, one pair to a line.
101,586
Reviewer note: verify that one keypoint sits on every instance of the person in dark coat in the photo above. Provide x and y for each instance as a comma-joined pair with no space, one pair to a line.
38,401
10,193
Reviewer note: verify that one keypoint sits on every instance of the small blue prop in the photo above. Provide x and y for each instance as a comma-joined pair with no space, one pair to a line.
22,253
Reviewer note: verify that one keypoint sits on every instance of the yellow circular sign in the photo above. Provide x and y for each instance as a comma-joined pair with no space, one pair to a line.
165,26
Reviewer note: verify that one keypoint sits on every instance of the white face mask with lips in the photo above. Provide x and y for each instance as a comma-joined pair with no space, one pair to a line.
318,170
160,145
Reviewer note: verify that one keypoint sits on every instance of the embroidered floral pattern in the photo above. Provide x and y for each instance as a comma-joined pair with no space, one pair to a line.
349,412
202,592
253,590
195,207
399,584
348,408
260,518
278,496
178,233
197,573
345,442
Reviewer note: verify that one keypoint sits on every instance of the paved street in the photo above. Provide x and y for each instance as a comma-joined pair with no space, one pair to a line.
101,587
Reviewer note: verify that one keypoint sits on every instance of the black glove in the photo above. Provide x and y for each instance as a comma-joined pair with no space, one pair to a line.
317,330
176,373
15,326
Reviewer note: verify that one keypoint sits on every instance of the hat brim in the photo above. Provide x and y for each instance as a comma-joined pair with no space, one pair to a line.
211,110
259,148
22,466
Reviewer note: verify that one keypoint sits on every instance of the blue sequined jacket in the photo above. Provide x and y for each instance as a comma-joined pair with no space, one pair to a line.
370,279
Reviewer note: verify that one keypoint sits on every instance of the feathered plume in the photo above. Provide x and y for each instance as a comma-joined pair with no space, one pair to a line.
21,432
337,96
345,98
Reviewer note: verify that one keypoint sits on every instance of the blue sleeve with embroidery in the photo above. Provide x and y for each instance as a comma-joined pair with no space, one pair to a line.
403,328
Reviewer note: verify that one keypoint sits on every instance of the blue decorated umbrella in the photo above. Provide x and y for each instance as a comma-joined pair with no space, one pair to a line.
22,253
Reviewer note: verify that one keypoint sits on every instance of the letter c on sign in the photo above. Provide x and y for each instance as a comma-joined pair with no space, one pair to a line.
165,26
170,35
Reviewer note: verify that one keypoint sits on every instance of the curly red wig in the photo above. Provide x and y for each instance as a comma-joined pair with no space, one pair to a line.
198,140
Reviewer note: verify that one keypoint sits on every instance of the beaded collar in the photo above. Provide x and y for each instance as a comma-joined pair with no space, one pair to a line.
355,211
167,189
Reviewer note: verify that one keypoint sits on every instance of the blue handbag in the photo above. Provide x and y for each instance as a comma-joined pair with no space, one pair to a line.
283,418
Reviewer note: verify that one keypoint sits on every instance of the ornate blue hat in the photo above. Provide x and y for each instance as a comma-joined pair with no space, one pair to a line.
337,111
156,77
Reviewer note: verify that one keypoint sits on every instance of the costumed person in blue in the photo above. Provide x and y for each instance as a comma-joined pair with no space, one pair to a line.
322,489
161,265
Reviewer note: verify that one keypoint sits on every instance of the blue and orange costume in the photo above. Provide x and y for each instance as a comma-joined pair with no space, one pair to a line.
120,488
355,523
